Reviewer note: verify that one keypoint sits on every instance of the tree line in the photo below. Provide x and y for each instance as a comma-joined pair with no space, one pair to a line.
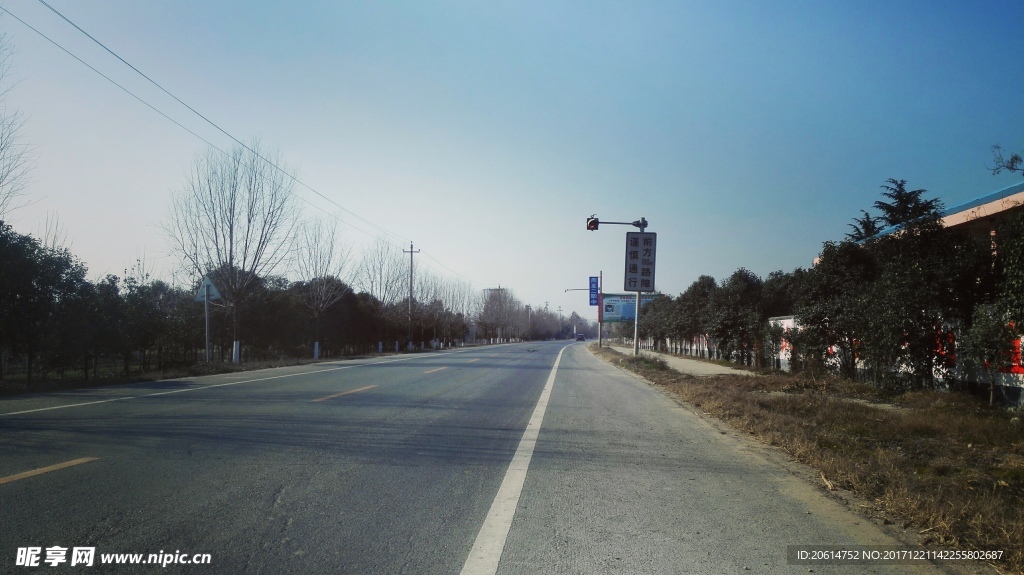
901,302
54,322
236,222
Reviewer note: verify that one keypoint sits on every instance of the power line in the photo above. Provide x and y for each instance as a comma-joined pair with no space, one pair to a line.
107,78
427,254
170,119
236,140
152,107
220,129
379,228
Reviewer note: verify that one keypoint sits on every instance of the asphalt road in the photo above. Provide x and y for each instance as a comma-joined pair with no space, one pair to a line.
478,461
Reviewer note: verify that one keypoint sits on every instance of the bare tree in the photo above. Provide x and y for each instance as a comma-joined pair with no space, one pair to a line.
497,313
429,287
321,263
455,295
52,234
1014,163
382,273
15,157
234,220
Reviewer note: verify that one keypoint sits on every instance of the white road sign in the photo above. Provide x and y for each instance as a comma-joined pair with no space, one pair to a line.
641,248
214,294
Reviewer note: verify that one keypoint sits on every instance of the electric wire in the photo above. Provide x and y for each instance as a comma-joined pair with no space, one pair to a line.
126,90
217,127
153,108
379,228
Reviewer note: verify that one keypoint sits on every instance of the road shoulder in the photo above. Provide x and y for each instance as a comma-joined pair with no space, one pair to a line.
837,503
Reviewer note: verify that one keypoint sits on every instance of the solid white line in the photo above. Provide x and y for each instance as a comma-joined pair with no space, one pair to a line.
490,541
202,387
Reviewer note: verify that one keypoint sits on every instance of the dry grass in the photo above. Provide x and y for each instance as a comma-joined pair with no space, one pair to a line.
942,463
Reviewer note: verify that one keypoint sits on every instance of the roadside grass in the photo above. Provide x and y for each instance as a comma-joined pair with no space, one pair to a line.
942,463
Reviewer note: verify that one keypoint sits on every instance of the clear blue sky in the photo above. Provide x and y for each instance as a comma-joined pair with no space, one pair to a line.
746,132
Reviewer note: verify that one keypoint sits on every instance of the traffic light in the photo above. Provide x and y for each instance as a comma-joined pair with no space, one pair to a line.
592,223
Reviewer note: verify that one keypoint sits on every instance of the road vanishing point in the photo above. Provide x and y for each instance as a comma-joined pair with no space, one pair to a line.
520,458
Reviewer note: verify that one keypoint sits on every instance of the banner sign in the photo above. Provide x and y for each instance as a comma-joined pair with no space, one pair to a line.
593,290
621,307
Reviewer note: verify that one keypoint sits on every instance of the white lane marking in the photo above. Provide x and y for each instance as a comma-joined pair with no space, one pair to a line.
490,541
202,387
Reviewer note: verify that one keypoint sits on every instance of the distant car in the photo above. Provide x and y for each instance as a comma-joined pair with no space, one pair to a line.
580,337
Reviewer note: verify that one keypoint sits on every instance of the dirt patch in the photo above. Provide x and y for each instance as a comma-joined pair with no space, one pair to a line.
943,465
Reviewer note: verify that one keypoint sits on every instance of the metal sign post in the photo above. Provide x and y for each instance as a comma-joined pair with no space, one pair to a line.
636,327
207,292
600,306
641,251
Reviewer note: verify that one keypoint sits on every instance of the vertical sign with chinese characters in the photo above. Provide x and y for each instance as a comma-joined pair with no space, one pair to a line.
641,248
593,290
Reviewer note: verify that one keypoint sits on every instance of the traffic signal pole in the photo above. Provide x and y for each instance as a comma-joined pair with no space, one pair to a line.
593,223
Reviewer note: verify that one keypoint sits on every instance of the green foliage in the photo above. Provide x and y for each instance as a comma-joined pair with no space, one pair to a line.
864,227
39,289
1010,263
906,206
657,318
890,303
732,316
830,310
887,304
53,320
695,308
988,344
738,315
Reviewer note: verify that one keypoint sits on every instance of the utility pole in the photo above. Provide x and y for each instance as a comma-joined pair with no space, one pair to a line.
410,252
559,310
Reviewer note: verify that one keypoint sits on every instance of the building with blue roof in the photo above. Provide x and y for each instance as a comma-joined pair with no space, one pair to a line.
978,217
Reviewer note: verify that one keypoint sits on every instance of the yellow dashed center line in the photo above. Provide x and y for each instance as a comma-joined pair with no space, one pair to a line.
472,360
42,470
433,370
345,393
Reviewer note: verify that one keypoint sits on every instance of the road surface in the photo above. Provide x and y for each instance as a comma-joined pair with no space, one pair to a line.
525,458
